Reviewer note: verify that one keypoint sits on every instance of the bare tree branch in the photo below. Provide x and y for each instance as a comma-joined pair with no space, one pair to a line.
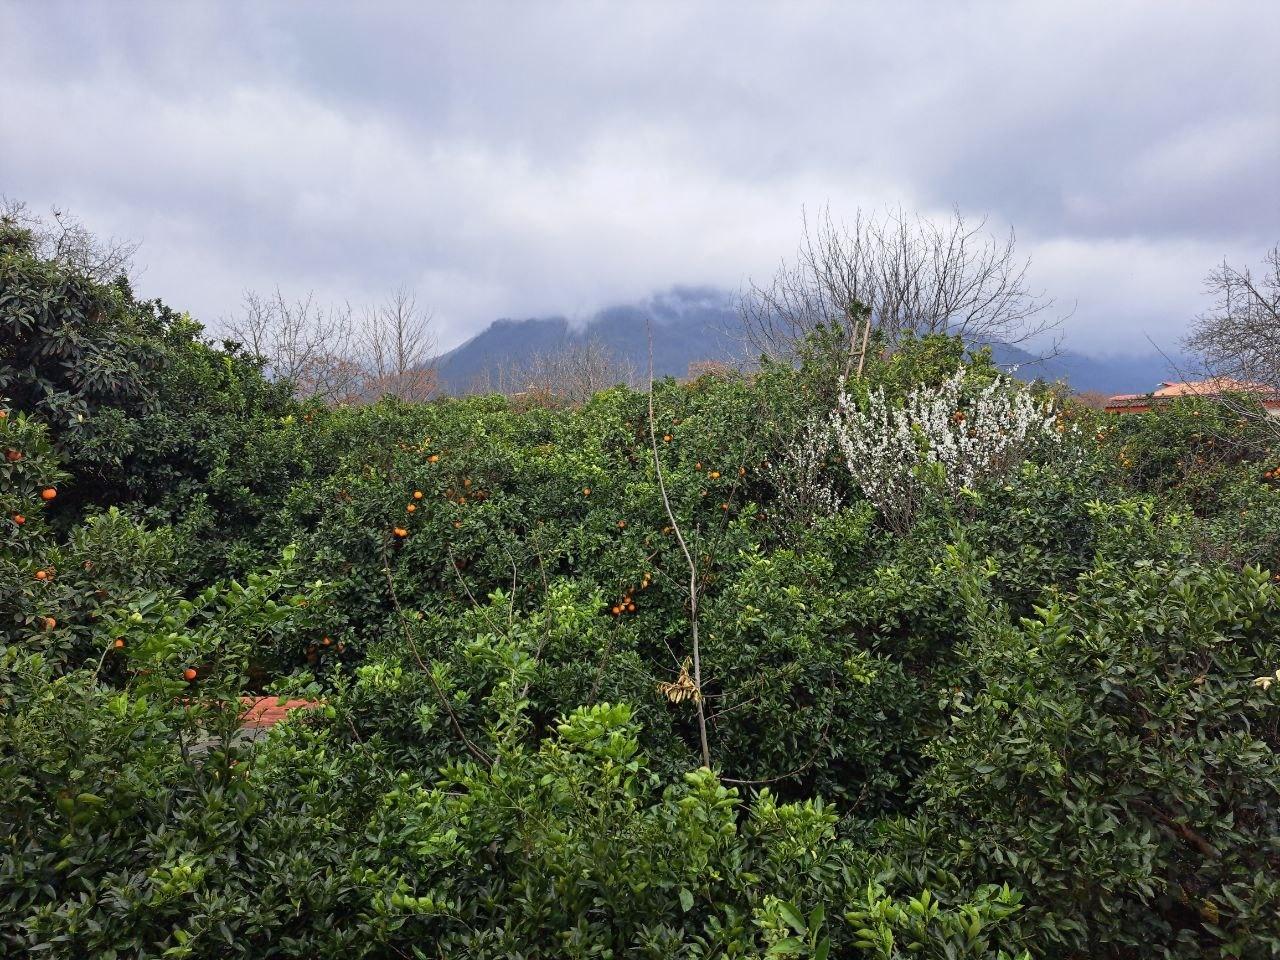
912,274
396,349
302,342
325,353
68,242
569,375
1237,340
699,700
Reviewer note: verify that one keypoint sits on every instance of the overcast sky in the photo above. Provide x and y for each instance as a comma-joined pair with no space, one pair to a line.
530,159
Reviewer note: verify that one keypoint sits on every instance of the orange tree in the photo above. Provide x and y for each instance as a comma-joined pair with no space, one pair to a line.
120,694
431,510
145,413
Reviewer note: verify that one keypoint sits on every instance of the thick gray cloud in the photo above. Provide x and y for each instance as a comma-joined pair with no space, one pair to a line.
516,159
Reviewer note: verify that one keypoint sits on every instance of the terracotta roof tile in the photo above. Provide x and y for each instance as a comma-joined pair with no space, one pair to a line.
268,711
1195,388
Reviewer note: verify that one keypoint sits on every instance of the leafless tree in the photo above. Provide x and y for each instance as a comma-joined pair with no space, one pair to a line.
63,239
571,374
716,369
897,275
1239,337
396,347
1237,340
309,345
1093,399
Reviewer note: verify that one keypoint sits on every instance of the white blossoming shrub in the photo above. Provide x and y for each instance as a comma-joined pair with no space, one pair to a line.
955,433
801,480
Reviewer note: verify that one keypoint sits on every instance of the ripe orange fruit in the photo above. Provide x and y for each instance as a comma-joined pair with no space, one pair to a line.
417,494
49,623
666,438
714,474
119,643
622,524
411,507
615,610
401,532
697,466
434,458
466,481
13,456
724,506
19,519
586,491
457,524
742,471
326,641
48,493
42,574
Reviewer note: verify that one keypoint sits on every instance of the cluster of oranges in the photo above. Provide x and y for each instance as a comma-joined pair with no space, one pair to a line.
452,495
401,532
1272,474
628,604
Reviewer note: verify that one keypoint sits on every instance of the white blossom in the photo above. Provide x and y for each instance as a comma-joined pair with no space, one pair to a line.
801,479
965,436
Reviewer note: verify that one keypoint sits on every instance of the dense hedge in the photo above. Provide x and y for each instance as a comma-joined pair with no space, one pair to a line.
1041,721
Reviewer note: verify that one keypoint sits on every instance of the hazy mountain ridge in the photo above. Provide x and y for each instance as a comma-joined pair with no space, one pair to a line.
700,323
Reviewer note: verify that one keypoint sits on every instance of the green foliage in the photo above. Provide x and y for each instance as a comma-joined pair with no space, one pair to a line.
144,413
1114,759
1042,721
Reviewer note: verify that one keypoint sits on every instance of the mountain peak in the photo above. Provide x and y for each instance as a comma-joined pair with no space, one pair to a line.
693,323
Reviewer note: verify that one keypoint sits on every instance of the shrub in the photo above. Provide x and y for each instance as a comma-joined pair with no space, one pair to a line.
1113,758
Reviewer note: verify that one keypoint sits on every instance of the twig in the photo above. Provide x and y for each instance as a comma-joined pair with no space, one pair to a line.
693,569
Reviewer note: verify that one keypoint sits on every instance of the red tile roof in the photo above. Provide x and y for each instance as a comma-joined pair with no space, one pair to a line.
1138,402
263,712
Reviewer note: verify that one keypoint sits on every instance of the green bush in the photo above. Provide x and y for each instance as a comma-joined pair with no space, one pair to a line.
1114,758
1038,720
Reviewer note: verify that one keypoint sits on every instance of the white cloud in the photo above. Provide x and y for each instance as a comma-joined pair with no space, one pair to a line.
538,159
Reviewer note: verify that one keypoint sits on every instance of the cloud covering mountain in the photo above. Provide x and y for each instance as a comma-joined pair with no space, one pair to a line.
693,324
557,158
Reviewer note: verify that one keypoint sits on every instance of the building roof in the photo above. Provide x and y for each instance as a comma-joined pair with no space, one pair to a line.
1213,387
262,712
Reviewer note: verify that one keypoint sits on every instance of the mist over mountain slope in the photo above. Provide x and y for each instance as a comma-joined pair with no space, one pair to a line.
691,324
